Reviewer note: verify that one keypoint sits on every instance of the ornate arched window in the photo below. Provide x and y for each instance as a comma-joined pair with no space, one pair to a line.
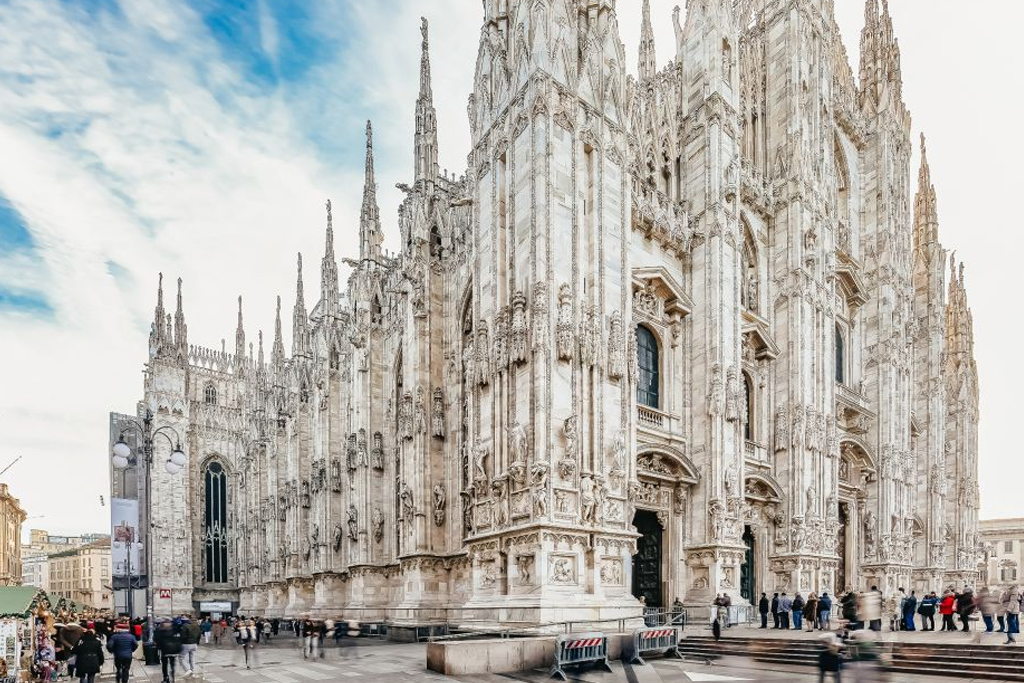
748,396
840,356
210,394
215,524
648,361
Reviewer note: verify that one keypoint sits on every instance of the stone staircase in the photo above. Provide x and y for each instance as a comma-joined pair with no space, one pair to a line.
981,662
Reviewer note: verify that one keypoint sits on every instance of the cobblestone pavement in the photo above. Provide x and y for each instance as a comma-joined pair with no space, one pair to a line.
373,661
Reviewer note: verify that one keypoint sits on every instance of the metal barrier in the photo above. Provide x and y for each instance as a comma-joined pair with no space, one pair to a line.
663,640
580,648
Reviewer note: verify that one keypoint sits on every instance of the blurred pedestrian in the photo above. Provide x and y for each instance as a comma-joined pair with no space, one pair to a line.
871,610
168,644
191,634
849,611
88,657
987,605
830,659
1012,606
310,639
245,636
965,607
122,646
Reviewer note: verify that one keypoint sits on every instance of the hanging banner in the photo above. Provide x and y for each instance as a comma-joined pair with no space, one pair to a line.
124,536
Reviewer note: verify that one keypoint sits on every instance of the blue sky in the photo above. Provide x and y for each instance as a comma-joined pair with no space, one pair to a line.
202,138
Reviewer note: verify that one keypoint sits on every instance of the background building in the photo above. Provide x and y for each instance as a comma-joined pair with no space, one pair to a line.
35,571
1003,541
672,336
82,575
11,519
42,542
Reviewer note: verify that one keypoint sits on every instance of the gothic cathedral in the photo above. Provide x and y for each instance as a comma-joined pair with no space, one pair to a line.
667,336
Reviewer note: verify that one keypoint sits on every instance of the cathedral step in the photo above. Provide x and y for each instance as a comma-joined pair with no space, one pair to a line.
988,662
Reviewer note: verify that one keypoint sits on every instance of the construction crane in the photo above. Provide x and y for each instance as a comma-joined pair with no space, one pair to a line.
13,463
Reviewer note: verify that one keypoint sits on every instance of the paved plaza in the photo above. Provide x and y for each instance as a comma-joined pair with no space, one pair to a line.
380,661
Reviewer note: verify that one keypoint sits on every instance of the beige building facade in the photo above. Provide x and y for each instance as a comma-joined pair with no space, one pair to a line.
1003,544
666,336
82,575
12,516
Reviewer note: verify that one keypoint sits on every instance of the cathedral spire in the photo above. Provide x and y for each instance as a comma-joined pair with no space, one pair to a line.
300,319
239,339
329,271
277,352
369,217
926,217
180,328
881,79
156,332
426,119
648,63
259,359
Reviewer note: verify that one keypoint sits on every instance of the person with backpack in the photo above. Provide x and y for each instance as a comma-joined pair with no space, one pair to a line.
824,612
168,644
191,634
88,657
122,646
798,611
246,637
927,611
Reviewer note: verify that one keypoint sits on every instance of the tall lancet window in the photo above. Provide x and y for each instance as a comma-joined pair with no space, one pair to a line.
840,356
215,536
648,362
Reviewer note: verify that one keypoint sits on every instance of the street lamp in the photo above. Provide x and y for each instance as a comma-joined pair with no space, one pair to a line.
122,457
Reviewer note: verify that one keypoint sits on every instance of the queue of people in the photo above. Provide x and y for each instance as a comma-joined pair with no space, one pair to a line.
811,613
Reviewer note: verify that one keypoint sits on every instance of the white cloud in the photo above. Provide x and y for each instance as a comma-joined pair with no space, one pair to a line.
171,159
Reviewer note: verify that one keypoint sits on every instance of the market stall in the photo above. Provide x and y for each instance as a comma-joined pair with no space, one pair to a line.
24,629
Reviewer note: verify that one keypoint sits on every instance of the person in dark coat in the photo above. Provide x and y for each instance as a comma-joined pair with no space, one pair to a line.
909,608
775,610
168,642
122,646
88,657
927,611
965,606
830,659
824,611
763,607
849,611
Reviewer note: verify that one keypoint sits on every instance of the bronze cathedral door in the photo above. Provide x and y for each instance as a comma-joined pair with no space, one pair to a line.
647,561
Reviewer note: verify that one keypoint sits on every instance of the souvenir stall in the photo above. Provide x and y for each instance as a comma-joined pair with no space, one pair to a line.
24,611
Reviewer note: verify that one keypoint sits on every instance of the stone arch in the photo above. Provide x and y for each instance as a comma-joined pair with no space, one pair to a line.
762,488
666,462
857,464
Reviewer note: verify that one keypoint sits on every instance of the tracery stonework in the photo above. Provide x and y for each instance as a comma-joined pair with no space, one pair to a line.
457,424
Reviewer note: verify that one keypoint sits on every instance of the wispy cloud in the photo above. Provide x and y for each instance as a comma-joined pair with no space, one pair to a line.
201,138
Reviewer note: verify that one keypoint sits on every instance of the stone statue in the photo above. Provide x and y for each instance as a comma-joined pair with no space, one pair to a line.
565,331
437,414
518,443
405,496
616,348
353,523
588,500
439,504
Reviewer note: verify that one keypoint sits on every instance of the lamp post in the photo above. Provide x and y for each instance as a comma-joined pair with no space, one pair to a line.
122,457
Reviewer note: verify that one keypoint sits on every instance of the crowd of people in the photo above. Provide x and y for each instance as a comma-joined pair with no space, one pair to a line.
870,609
77,646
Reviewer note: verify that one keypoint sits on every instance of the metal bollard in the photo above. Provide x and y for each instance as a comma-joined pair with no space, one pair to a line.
663,640
580,648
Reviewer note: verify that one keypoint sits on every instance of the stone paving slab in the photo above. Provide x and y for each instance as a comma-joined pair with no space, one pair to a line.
380,662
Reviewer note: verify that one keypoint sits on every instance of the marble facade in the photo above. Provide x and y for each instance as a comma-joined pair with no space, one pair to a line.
458,430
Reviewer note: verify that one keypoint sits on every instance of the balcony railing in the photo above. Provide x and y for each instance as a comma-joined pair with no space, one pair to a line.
651,417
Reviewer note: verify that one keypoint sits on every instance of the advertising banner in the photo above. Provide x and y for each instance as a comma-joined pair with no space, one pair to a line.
124,536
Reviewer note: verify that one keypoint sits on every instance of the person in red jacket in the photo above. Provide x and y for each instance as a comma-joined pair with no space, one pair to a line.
946,607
